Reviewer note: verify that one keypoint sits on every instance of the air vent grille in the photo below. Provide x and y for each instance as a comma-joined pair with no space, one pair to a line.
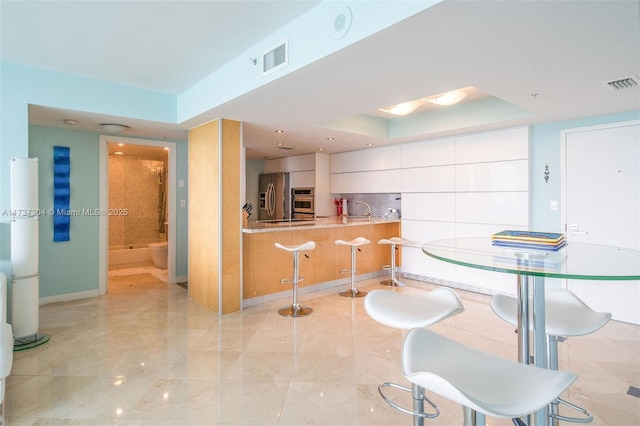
286,148
622,83
275,58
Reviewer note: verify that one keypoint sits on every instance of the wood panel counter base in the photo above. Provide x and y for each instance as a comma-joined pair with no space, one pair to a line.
264,265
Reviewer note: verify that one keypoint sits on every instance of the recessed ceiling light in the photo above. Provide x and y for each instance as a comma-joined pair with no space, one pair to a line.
279,143
70,122
320,149
279,131
369,144
118,152
330,138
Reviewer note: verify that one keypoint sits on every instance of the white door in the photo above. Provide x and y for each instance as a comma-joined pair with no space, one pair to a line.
601,195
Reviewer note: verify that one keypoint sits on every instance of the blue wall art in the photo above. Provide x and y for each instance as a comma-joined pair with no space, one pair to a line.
61,193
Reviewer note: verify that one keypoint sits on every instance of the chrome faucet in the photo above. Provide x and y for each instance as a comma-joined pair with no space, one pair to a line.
368,214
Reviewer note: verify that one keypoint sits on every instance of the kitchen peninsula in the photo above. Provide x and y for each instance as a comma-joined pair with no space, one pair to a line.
264,265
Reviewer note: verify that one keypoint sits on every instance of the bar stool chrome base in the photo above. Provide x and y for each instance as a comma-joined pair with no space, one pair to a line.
393,242
419,398
392,283
566,316
404,312
353,292
295,310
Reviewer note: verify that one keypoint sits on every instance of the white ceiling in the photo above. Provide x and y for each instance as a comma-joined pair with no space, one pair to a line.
527,62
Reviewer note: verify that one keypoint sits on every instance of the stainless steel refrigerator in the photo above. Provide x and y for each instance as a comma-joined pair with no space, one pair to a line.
275,197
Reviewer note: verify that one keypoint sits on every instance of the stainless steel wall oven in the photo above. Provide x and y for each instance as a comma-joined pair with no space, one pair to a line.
302,203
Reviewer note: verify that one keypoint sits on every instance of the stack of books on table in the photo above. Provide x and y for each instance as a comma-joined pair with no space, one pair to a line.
529,240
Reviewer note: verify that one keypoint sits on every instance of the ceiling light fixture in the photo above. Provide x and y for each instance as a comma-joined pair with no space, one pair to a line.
114,128
403,108
330,138
448,98
279,131
445,99
118,152
70,122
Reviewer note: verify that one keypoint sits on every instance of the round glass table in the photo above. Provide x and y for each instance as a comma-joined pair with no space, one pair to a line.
576,260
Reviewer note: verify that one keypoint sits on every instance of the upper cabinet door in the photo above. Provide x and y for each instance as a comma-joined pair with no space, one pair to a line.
346,162
436,152
381,181
496,145
347,183
382,158
300,163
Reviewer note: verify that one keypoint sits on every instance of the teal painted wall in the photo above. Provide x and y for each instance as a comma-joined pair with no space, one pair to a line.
545,149
69,266
21,86
14,119
72,266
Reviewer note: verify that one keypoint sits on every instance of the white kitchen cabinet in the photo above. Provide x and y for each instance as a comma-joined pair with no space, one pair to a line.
429,179
296,163
306,179
493,176
346,162
436,207
381,181
275,165
496,145
501,208
299,163
346,183
382,158
434,152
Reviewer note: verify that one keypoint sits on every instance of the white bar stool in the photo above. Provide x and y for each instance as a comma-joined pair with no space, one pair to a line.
393,242
407,311
484,384
295,310
355,243
565,316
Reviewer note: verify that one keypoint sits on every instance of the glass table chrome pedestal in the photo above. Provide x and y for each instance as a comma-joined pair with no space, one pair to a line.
581,261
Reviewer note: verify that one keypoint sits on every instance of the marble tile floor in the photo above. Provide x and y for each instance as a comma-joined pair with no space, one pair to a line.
144,354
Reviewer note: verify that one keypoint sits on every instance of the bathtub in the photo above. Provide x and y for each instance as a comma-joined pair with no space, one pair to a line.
126,257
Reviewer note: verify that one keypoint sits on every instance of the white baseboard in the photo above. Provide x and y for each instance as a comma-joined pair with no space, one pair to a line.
69,296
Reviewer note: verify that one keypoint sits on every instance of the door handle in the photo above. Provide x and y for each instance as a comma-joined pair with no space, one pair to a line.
271,196
575,230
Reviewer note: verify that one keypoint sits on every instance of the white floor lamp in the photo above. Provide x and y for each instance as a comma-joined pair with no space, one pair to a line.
25,279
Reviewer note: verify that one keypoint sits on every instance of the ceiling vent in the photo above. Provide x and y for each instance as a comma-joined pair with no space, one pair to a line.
275,58
286,148
622,83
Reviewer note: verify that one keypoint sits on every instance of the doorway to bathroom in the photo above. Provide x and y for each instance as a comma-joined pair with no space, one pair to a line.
137,189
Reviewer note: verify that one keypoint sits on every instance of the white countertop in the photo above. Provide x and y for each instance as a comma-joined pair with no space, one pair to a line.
327,222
